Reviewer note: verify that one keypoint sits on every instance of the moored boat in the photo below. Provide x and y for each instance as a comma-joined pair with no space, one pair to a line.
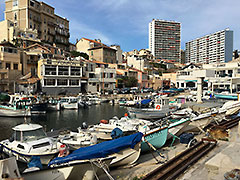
30,140
157,137
15,108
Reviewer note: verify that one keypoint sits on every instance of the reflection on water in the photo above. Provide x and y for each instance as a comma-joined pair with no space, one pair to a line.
64,119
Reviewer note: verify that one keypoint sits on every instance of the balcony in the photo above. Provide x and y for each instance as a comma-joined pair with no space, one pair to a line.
93,80
29,61
51,33
51,24
37,20
61,42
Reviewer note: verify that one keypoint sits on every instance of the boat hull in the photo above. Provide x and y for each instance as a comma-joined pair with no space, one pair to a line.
127,156
14,113
40,108
45,158
70,106
177,128
156,137
75,171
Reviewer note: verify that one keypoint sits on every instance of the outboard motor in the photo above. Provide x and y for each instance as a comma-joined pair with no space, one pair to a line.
116,133
84,125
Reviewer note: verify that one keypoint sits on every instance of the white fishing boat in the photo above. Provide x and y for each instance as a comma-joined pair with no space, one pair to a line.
179,114
69,103
199,121
77,140
15,108
79,170
30,140
230,107
161,109
178,127
93,99
126,156
54,105
104,129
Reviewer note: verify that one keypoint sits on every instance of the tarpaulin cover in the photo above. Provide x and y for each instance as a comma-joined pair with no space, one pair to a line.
145,101
100,150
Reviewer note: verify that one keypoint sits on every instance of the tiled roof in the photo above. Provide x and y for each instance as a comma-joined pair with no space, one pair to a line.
94,41
30,81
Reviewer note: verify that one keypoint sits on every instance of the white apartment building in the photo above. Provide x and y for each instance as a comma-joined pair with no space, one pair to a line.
226,76
164,39
59,76
211,48
100,76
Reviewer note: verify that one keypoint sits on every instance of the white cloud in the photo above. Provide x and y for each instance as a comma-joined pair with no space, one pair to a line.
79,30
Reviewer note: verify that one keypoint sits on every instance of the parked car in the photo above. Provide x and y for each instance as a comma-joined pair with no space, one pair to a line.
148,90
125,91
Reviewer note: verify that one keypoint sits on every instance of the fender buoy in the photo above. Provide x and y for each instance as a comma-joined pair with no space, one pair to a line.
158,107
104,121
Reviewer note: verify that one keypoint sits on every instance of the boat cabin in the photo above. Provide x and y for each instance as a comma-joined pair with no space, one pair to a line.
69,100
161,102
28,132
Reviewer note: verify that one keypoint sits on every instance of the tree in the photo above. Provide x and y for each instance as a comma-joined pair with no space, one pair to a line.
236,55
76,54
130,81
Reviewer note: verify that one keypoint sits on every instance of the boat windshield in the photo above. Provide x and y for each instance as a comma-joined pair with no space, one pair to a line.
34,135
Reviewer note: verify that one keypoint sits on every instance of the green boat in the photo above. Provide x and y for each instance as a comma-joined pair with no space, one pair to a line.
157,137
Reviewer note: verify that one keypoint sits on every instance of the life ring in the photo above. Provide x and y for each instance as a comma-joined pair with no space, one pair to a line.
158,107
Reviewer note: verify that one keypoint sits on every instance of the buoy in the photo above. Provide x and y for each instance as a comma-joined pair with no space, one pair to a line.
104,121
126,114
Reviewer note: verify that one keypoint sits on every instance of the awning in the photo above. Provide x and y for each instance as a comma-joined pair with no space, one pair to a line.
190,80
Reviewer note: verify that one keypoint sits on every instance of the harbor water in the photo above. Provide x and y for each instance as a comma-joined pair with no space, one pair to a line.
70,119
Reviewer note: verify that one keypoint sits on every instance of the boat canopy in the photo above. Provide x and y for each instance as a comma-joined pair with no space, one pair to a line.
100,150
27,127
145,101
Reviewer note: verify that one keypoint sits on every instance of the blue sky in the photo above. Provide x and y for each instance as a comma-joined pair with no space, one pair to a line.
125,22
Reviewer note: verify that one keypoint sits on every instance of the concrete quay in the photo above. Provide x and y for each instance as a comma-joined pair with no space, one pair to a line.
212,166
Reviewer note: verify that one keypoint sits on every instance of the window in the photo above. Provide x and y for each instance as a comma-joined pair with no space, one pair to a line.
62,82
75,71
15,3
15,16
74,82
30,16
50,70
30,25
49,82
8,66
63,70
92,53
15,66
32,3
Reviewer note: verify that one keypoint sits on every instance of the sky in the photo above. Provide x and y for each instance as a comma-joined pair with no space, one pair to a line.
125,22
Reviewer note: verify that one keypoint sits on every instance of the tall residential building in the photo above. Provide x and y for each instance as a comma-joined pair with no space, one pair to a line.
212,48
164,39
39,16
